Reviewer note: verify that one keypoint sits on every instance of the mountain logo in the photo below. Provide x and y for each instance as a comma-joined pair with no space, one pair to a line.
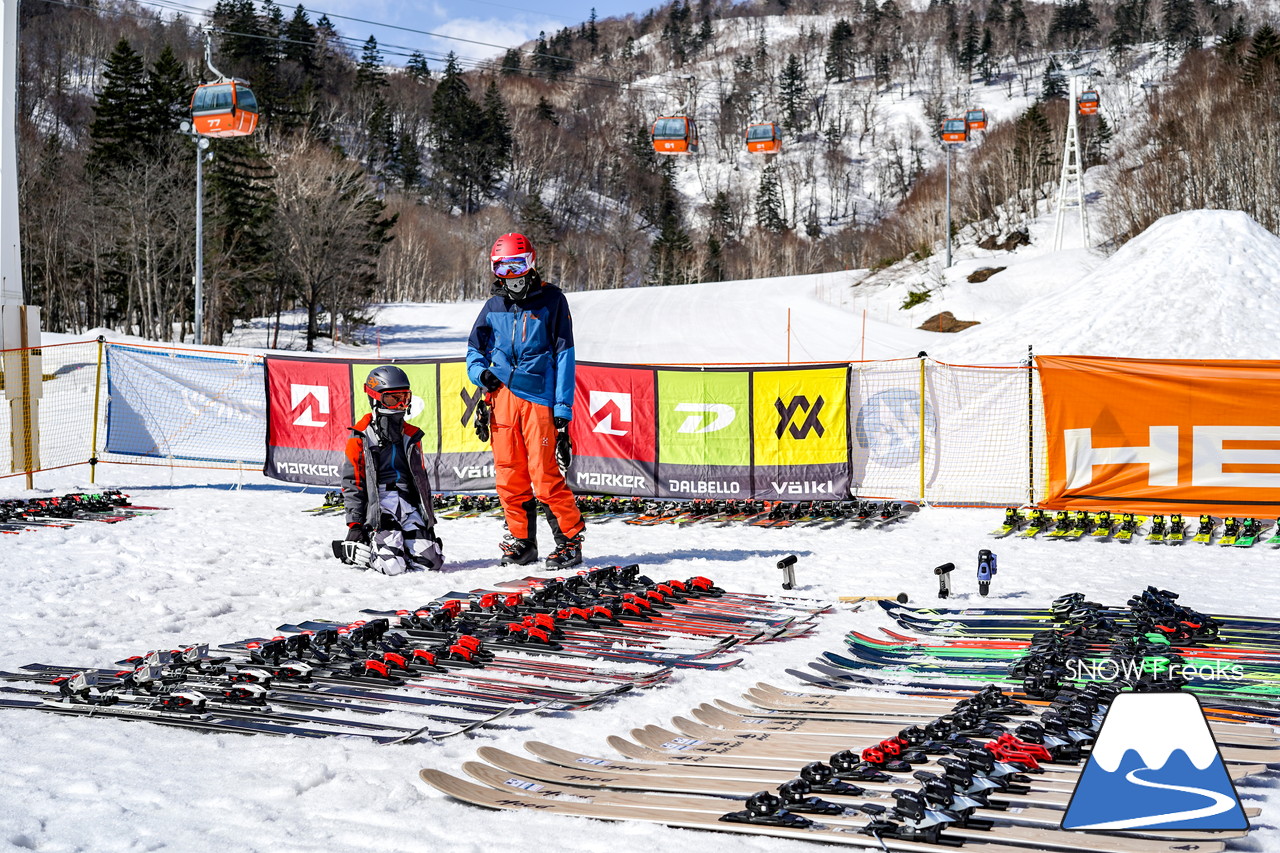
1155,766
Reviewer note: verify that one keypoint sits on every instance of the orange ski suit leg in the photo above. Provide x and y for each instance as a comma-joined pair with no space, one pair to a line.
524,455
511,469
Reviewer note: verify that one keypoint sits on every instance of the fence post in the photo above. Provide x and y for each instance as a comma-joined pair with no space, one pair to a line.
97,397
922,357
1031,429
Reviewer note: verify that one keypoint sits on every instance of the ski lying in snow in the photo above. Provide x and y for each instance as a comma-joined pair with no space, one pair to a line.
873,832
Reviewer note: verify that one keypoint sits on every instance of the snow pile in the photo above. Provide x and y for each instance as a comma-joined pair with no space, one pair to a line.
1199,284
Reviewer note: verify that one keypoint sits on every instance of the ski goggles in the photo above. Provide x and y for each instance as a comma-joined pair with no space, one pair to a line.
513,266
394,400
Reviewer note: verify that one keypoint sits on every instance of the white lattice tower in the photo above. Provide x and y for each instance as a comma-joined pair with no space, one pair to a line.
1071,182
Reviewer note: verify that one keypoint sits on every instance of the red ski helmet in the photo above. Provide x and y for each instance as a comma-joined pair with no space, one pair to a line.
512,256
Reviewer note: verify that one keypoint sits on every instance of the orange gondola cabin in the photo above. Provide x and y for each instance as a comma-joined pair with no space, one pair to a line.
1087,103
976,119
675,135
764,139
225,108
954,130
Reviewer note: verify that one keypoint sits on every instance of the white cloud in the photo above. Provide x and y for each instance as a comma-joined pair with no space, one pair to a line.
491,31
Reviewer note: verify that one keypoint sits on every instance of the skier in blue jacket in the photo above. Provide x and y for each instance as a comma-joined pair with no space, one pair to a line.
521,352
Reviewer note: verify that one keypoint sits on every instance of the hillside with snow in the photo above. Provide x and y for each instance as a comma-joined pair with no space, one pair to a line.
1195,285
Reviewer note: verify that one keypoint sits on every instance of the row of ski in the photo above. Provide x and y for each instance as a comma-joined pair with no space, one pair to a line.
110,506
648,511
885,772
463,661
1154,643
1105,525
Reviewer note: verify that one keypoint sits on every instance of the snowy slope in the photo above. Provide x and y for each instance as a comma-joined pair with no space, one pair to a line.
1148,300
226,563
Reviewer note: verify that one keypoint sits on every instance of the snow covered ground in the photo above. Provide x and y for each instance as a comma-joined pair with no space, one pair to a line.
226,563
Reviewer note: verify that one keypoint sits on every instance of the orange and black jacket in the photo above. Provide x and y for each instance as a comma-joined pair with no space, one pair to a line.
366,456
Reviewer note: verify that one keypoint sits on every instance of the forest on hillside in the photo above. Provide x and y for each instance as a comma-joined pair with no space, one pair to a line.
381,173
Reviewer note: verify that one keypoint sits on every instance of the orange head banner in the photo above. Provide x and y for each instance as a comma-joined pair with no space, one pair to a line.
1162,435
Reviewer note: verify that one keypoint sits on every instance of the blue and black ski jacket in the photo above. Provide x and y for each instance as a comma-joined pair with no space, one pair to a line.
529,346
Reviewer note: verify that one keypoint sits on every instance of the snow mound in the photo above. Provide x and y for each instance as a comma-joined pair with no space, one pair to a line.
1198,284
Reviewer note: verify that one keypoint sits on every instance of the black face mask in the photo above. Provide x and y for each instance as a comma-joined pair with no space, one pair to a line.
388,425
521,288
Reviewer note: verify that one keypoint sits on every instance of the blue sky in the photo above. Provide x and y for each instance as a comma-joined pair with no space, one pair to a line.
506,23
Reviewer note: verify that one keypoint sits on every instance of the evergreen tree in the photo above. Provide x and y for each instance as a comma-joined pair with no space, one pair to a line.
792,94
536,221
370,76
841,47
713,266
970,44
1097,142
1179,32
987,57
417,67
1017,32
169,91
769,201
1261,64
510,62
593,34
120,133
241,36
545,111
668,256
995,13
455,125
407,163
496,140
300,36
1054,84
721,218
1231,41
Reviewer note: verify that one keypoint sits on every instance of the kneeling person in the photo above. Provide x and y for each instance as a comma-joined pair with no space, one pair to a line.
385,486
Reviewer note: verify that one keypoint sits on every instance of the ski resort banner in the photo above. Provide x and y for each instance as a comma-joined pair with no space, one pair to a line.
178,405
1157,435
812,432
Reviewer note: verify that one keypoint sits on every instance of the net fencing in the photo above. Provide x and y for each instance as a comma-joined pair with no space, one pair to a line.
186,408
917,428
61,382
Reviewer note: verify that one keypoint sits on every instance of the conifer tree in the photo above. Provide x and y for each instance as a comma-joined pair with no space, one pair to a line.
1261,64
417,67
169,91
841,47
792,94
120,133
300,35
511,61
1053,84
769,201
668,255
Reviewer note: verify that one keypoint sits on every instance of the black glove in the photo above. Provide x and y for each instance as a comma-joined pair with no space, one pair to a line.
482,420
564,447
489,381
357,533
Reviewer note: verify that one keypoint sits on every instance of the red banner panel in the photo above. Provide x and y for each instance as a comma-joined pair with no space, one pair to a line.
613,433
1163,435
308,418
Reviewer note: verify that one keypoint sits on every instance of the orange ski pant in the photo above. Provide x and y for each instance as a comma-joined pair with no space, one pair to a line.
524,456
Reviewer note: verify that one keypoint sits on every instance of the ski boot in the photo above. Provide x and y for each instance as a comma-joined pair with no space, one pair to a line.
567,554
518,552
